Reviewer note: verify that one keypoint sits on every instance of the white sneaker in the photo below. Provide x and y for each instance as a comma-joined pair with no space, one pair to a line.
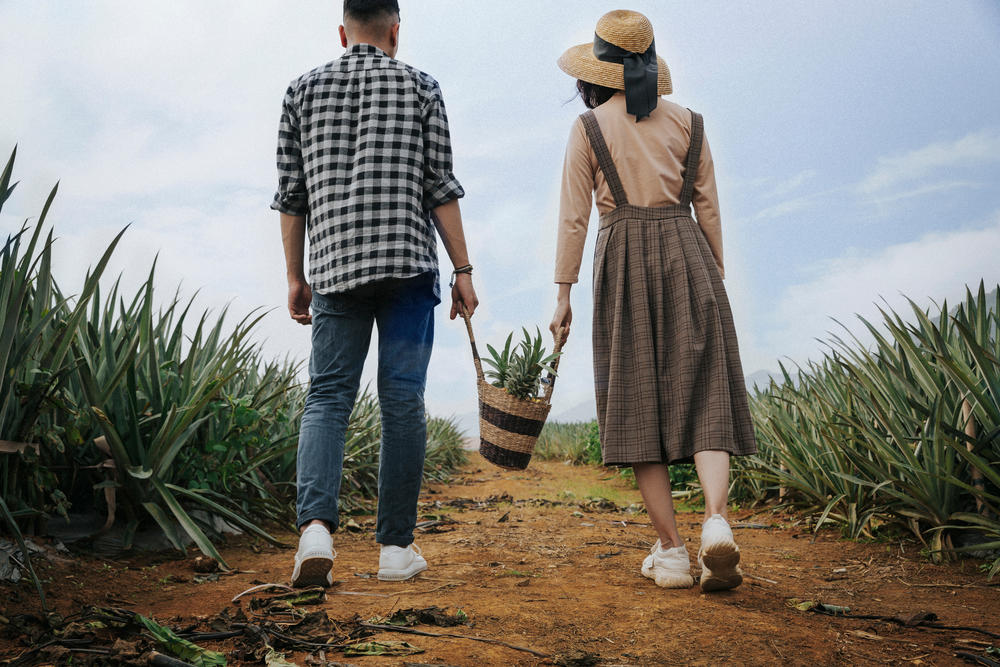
719,556
669,568
399,563
314,559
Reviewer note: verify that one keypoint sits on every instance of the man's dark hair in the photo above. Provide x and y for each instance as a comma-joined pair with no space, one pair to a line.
592,94
366,11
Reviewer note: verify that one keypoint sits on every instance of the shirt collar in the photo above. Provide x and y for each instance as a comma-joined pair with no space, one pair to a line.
364,50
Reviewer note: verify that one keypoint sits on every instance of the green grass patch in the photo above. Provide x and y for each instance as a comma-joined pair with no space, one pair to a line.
517,573
576,442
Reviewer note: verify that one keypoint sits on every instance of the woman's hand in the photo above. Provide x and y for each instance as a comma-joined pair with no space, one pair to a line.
562,319
564,313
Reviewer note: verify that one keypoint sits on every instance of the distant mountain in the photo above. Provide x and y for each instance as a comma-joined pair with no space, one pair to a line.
583,411
991,299
761,378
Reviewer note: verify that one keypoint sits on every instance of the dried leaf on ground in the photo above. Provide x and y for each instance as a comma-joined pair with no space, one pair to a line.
578,658
388,647
917,618
275,659
181,648
817,606
204,565
426,616
295,598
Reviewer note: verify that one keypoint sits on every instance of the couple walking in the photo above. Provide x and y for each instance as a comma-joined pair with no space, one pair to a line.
365,166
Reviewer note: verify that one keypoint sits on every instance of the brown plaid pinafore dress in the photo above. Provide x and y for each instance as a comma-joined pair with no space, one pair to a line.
667,369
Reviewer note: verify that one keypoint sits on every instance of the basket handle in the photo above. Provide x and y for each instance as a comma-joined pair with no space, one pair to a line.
550,380
472,340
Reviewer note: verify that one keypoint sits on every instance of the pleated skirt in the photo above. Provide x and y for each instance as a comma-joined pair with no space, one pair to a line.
667,369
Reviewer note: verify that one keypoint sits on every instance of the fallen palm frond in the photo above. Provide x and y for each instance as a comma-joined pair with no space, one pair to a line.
179,647
265,628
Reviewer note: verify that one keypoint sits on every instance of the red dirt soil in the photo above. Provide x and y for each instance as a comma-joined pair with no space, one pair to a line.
562,578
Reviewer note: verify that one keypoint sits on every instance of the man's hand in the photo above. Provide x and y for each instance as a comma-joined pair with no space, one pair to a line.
463,294
293,239
448,220
299,298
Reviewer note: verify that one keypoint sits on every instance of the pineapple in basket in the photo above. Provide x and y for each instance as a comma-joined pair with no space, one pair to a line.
519,371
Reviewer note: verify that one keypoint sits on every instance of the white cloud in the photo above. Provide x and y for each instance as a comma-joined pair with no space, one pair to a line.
786,207
973,149
897,178
936,266
932,188
792,183
798,204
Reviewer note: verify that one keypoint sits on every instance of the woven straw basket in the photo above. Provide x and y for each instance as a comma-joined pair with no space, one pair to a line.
509,426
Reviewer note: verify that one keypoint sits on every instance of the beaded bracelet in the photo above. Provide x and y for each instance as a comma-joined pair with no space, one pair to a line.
462,269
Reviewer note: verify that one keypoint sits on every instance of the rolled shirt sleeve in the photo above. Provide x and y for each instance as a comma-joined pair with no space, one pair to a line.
575,203
440,184
291,196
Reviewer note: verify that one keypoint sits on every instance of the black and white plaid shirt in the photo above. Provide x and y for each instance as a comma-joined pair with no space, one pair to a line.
364,151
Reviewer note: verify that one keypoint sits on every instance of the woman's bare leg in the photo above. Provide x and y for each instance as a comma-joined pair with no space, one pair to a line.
713,473
718,554
654,485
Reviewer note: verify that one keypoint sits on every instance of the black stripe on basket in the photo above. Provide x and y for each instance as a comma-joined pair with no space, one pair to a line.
503,457
510,423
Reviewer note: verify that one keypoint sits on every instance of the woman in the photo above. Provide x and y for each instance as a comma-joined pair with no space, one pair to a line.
667,371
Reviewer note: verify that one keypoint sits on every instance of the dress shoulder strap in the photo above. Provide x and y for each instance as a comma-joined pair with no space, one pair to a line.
604,160
693,157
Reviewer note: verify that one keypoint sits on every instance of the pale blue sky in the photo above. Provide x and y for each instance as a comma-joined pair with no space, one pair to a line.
857,147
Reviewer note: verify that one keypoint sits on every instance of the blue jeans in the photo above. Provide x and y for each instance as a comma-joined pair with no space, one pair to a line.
403,310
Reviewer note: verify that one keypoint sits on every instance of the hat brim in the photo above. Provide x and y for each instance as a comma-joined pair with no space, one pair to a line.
580,63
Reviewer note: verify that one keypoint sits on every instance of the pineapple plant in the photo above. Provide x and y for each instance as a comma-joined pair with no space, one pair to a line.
500,363
519,370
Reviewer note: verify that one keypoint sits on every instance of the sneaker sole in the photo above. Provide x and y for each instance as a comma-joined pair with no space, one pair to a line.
400,575
668,581
720,567
674,581
314,571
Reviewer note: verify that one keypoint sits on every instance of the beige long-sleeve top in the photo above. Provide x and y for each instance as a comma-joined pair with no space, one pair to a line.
650,159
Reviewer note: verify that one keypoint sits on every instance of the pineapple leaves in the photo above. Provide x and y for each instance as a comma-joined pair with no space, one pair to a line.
499,362
519,371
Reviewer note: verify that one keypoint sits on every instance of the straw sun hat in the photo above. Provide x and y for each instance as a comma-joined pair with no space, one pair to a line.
623,41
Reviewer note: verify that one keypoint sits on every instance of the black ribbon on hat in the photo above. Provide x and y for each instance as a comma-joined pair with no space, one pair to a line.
641,74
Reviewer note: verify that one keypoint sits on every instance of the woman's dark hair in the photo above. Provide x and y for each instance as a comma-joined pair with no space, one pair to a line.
366,10
592,94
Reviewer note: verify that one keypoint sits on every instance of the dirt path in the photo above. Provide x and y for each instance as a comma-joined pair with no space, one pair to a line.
535,563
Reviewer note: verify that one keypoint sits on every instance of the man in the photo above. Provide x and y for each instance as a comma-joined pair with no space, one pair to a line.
364,162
